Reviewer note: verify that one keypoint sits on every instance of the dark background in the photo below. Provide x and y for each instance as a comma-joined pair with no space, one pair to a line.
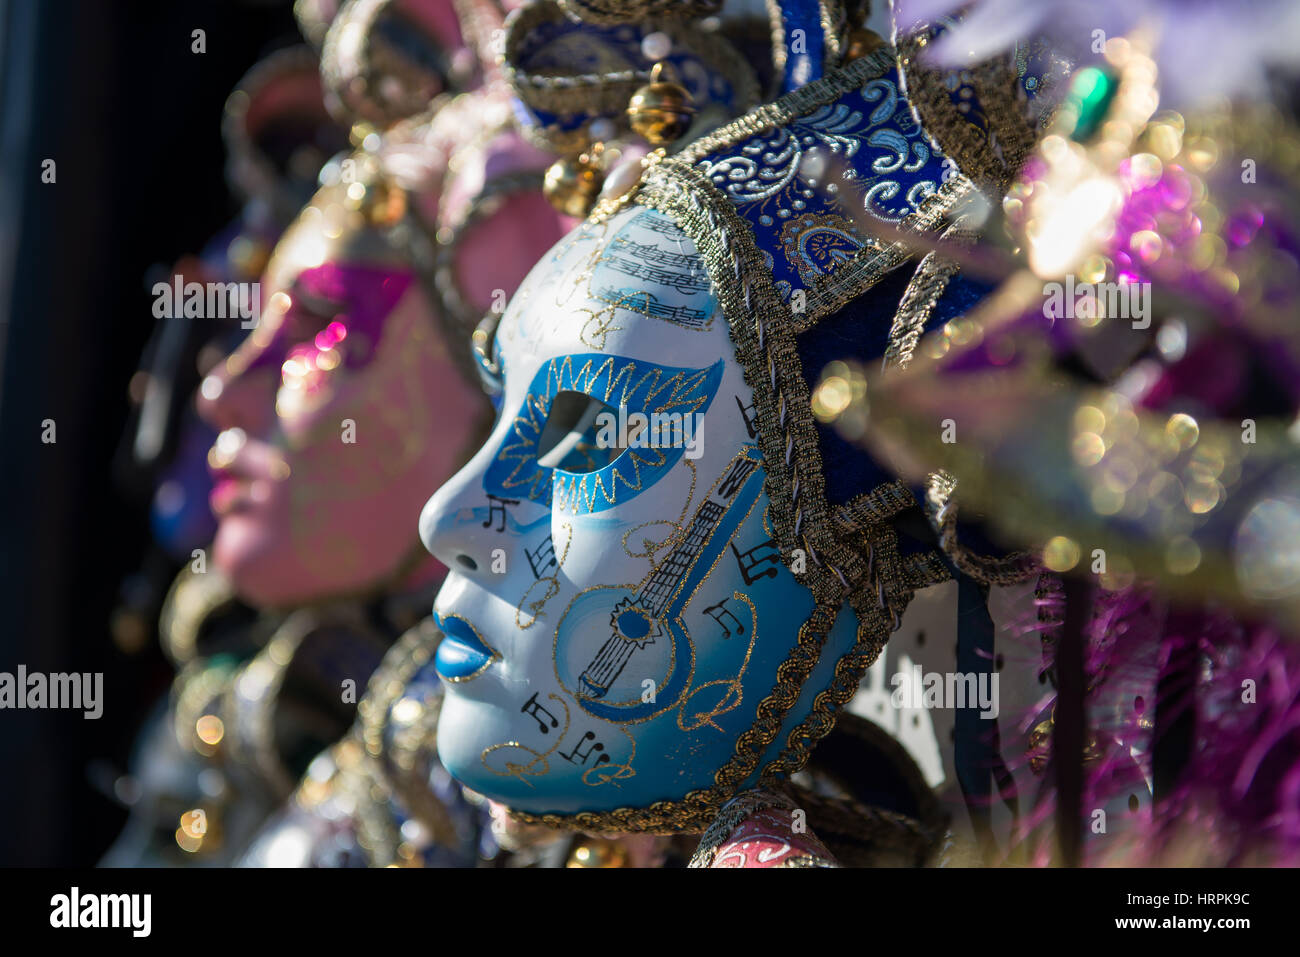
111,91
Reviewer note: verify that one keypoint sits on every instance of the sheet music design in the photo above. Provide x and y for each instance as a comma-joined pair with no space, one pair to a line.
644,255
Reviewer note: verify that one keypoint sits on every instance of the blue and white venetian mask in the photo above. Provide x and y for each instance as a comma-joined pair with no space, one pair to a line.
626,638
617,605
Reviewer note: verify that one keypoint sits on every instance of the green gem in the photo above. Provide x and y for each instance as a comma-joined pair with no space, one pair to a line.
1091,94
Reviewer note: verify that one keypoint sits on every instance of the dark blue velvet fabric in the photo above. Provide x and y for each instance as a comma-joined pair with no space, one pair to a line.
860,331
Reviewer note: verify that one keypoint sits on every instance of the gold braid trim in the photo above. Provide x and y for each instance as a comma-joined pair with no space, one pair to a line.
402,766
826,705
923,291
992,158
941,507
871,508
612,12
924,570
760,322
192,599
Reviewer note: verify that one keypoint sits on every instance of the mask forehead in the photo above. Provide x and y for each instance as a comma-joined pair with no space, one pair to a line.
633,285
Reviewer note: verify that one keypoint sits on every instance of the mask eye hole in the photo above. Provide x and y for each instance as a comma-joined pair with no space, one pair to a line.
568,439
310,311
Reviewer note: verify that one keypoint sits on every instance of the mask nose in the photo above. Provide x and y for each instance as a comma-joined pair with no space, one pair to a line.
464,527
244,400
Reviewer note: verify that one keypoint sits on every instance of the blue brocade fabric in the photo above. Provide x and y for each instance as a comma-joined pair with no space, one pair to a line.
870,142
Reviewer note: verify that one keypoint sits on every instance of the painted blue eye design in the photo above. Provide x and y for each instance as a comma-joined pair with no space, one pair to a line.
596,430
570,440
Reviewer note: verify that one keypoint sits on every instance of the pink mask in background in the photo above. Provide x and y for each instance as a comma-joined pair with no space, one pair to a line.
351,399
349,402
335,415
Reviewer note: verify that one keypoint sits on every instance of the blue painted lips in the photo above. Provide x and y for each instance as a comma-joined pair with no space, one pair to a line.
460,654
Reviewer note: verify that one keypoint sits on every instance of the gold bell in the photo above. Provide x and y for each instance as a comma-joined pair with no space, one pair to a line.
862,41
573,184
366,191
382,203
660,111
